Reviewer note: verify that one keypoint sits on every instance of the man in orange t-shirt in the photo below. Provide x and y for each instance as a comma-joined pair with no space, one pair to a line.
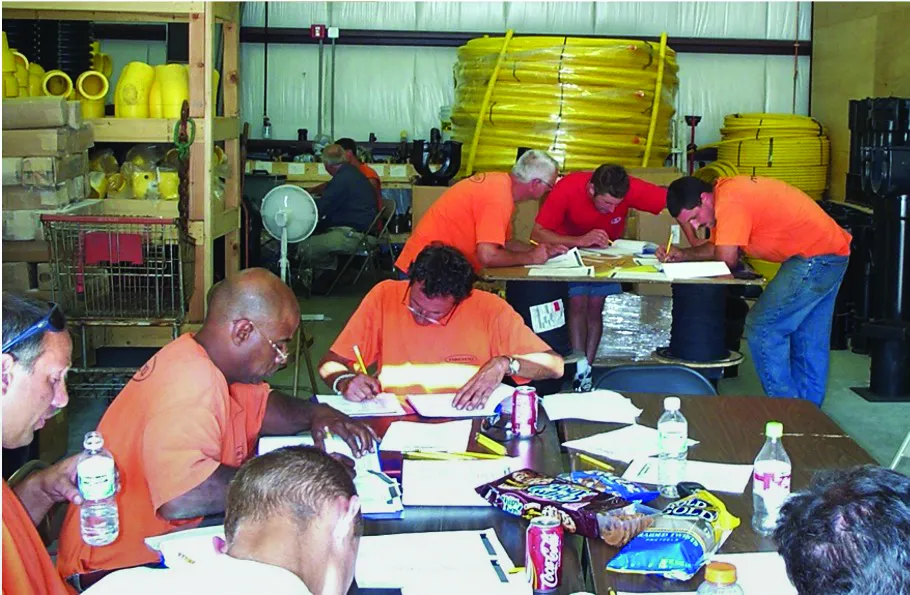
789,328
350,151
36,355
191,416
433,333
475,215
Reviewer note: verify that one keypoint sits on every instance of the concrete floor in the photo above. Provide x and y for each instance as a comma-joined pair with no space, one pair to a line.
877,427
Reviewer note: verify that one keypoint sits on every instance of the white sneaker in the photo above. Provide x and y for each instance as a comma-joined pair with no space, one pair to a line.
584,383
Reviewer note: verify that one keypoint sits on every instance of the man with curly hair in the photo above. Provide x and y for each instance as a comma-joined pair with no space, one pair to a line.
433,334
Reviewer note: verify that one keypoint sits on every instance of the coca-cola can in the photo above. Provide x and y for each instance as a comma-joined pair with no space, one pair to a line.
524,411
543,554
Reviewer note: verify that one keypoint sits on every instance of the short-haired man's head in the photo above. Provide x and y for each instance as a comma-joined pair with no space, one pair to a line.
610,179
443,271
295,483
333,155
848,533
347,144
685,194
19,314
535,165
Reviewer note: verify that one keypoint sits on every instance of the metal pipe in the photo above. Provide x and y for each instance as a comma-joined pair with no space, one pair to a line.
265,66
319,101
332,91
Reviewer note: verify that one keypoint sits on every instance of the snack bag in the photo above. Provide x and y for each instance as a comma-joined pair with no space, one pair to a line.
681,540
602,481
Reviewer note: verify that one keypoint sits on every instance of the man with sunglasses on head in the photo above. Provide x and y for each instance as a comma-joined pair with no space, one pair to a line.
192,415
434,334
475,216
37,353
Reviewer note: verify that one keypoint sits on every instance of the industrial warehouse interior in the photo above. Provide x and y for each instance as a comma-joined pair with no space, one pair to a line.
341,297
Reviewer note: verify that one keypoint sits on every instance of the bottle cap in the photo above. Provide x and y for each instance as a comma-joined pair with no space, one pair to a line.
671,403
774,429
93,441
721,573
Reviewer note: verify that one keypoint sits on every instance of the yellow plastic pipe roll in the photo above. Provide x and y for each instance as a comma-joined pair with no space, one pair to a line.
57,83
584,101
92,88
131,97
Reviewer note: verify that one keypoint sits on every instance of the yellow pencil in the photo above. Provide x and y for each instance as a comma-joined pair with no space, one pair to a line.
433,456
533,243
477,455
595,462
669,242
517,569
490,444
363,368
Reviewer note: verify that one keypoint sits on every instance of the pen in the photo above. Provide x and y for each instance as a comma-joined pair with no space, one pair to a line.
595,462
490,444
363,368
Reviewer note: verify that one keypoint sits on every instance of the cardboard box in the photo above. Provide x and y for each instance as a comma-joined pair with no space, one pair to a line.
26,224
26,252
44,276
18,198
47,141
40,112
422,197
44,172
19,276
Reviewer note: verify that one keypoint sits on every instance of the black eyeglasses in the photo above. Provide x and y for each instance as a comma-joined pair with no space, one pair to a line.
53,320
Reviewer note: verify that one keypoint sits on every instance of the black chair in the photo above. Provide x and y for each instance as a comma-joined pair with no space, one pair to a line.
657,378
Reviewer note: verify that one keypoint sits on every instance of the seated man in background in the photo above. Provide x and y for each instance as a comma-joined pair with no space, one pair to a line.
346,211
36,356
588,210
433,333
292,526
192,415
848,533
350,153
475,216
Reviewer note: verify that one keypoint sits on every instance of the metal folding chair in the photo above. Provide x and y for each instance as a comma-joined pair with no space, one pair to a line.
656,379
369,247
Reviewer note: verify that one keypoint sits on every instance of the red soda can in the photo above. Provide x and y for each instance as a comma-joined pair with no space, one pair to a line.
543,554
524,411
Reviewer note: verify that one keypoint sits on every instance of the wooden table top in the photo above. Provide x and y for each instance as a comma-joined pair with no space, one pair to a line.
730,430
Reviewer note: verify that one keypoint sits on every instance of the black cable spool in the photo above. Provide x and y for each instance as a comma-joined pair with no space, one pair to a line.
698,329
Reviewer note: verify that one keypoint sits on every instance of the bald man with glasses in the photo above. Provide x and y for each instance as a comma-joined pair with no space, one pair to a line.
434,334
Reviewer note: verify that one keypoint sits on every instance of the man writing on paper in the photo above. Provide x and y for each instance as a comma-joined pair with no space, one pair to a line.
475,216
36,356
789,328
588,210
292,526
191,416
433,333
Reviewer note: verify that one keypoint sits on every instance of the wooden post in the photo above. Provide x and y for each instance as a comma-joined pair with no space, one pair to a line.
233,184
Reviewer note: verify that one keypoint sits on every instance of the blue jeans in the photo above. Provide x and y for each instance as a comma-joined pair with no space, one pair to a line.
789,328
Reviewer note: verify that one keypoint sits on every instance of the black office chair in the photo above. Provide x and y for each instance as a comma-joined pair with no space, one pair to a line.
657,378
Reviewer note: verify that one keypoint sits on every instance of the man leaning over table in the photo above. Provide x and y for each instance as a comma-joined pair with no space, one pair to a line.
434,333
192,415
789,328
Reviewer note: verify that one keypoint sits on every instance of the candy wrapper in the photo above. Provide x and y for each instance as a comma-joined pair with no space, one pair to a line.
603,481
681,540
580,509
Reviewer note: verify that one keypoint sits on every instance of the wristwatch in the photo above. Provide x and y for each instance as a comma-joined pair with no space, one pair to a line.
514,366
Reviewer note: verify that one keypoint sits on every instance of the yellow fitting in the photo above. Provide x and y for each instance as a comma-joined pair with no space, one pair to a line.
10,85
155,108
98,183
35,80
57,84
218,156
92,88
22,78
216,76
9,61
131,97
175,88
19,58
168,184
144,182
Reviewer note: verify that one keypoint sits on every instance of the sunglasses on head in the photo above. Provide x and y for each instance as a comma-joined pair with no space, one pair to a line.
54,320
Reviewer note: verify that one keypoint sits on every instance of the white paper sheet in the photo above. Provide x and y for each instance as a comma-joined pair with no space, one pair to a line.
440,405
695,270
449,561
384,404
451,483
333,444
405,436
597,405
581,271
571,258
623,247
624,444
185,548
719,477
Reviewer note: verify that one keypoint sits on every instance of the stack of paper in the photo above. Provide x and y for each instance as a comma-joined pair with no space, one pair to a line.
407,436
581,271
720,477
384,404
597,405
695,270
623,247
625,444
451,483
440,405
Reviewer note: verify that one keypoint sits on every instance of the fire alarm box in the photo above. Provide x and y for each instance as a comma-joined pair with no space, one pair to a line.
317,31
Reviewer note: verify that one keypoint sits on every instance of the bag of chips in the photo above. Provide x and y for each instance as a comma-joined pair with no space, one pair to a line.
681,540
603,481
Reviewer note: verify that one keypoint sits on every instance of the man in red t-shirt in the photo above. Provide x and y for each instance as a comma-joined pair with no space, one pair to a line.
588,209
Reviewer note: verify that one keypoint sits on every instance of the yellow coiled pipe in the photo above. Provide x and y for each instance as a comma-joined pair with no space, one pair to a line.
585,101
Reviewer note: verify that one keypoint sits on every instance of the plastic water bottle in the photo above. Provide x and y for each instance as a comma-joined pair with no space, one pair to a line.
720,579
673,438
770,480
97,481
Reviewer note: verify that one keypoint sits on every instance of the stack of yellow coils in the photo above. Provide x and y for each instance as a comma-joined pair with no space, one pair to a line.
585,101
794,149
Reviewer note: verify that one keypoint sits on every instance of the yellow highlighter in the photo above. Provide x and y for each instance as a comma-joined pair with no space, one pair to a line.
490,444
595,462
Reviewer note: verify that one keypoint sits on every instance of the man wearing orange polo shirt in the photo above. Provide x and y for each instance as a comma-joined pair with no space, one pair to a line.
191,416
433,333
350,151
789,328
475,216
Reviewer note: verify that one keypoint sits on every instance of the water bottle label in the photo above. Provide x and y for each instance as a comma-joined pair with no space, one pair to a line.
765,482
96,478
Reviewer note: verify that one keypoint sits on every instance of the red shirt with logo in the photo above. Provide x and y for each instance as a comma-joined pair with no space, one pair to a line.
415,359
569,210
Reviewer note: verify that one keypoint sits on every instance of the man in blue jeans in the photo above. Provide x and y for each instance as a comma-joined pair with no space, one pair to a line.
789,328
